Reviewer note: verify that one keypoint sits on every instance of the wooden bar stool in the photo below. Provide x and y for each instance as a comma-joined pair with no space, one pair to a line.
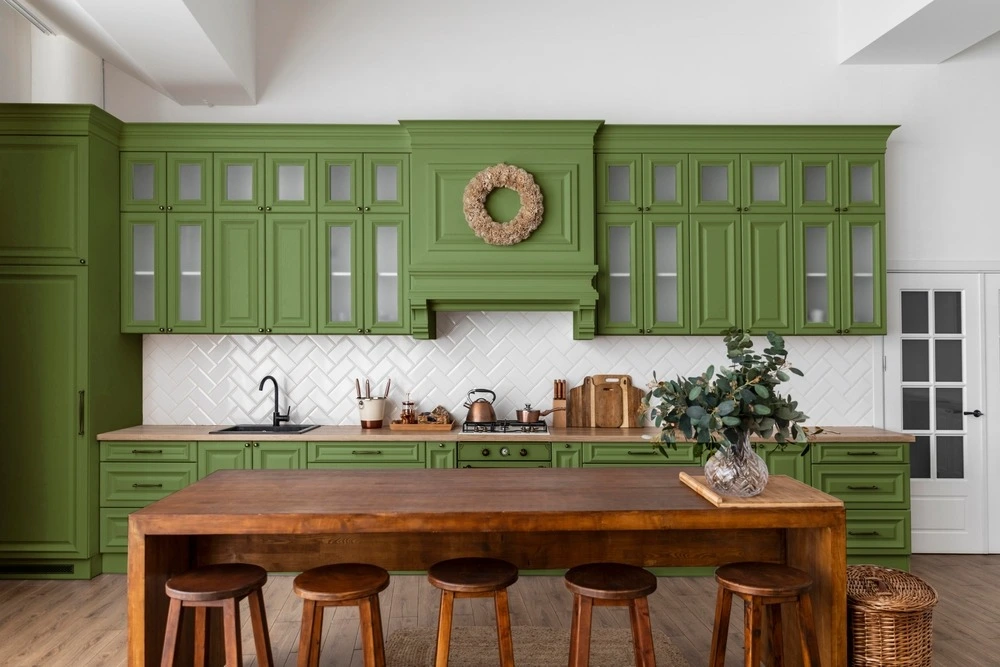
610,585
222,585
341,585
760,585
473,578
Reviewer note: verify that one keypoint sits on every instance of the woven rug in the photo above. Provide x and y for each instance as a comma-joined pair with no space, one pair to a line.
476,646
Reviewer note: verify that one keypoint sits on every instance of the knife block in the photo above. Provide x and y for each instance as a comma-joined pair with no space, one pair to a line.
559,418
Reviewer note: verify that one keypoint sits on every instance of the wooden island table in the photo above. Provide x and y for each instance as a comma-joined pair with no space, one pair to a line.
537,518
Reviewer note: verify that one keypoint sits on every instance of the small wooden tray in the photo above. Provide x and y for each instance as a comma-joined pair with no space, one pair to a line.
781,491
393,426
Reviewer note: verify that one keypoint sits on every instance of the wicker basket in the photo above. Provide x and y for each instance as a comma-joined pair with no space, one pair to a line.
889,617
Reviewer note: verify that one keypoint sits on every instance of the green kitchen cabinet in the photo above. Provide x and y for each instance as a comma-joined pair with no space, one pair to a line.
787,460
363,183
442,454
362,273
250,455
264,273
639,453
379,454
166,272
768,294
567,455
641,183
715,183
166,182
741,183
265,183
716,262
642,276
832,183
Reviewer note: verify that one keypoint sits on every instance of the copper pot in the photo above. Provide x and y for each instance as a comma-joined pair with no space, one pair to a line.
530,415
481,410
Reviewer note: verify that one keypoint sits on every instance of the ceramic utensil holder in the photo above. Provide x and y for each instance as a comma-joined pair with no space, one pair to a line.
372,411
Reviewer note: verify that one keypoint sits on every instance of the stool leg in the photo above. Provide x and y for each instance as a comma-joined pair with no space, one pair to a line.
378,638
371,632
504,638
258,619
200,636
444,629
720,631
172,635
751,631
579,636
642,633
807,632
775,635
231,623
306,631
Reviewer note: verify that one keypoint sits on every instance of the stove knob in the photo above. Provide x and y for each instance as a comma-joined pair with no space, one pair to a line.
504,451
486,452
523,452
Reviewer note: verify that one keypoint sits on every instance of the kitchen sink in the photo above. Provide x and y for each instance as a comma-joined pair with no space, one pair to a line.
266,428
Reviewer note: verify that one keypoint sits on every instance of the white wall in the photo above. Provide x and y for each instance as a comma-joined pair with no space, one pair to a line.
15,56
63,72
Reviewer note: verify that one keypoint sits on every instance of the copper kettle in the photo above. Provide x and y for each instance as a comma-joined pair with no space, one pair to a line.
480,410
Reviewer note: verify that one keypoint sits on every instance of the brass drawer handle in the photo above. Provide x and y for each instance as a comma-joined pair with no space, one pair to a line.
147,451
641,453
867,533
147,486
862,453
377,452
873,487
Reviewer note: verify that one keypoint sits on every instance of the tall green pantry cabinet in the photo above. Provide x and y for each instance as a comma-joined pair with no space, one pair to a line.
68,372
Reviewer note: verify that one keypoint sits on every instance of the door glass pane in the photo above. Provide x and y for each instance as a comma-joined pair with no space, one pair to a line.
814,178
291,182
947,312
143,181
143,276
916,408
665,182
863,277
948,364
765,182
387,273
620,274
916,364
341,302
189,249
340,182
714,183
861,183
619,182
666,273
817,275
950,457
948,409
920,457
189,175
386,178
915,312
239,182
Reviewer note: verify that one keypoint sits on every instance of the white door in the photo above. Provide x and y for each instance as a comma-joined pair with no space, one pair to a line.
933,387
991,311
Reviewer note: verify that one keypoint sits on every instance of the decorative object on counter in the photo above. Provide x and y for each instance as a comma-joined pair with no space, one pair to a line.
528,218
721,411
605,401
559,401
439,419
408,415
480,410
372,412
531,415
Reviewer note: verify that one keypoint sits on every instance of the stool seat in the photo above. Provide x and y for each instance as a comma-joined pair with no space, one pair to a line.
610,581
472,575
763,579
340,582
216,582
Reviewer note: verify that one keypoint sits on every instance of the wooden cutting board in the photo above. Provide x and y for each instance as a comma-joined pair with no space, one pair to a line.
607,407
579,407
629,396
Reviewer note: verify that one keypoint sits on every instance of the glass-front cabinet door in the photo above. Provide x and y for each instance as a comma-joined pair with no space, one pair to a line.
290,182
143,249
189,273
189,182
716,268
817,274
143,181
767,273
339,285
665,294
340,184
619,287
715,183
766,183
386,183
815,181
862,260
861,183
384,274
618,183
289,273
239,183
664,183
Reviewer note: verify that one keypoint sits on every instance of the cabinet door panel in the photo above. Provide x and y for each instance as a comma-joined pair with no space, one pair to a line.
618,182
189,182
143,181
786,461
239,182
862,259
45,480
767,284
189,273
385,274
340,286
339,183
238,270
619,283
290,275
766,184
862,183
279,455
290,182
387,183
442,454
665,290
715,184
716,268
815,183
817,274
214,456
143,284
664,183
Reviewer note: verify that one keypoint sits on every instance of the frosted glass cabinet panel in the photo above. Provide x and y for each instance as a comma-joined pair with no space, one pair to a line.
189,273
340,246
817,282
363,183
665,289
619,181
144,272
766,183
863,267
861,183
714,183
291,182
189,182
664,183
386,183
641,183
620,269
239,182
618,279
143,181
384,274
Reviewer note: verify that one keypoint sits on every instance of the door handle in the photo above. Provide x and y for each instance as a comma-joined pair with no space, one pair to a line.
83,411
974,413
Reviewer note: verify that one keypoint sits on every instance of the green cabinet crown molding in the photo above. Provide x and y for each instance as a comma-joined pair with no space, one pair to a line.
493,133
743,138
59,119
259,137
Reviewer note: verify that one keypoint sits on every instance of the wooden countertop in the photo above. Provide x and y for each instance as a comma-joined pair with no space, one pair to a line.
185,432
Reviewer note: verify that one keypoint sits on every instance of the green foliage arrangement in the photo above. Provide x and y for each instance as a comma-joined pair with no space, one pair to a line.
713,409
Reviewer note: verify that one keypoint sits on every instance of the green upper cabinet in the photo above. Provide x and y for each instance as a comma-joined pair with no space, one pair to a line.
275,182
816,270
289,273
239,182
765,185
767,273
239,273
715,183
862,183
174,182
340,287
385,248
716,269
646,183
363,183
831,183
862,261
619,276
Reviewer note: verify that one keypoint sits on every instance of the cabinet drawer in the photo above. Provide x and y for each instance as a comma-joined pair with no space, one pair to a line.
878,531
362,466
642,453
874,487
148,451
114,530
364,452
136,485
503,452
863,453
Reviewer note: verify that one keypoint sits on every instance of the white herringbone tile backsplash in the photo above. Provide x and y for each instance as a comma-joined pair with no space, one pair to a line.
213,379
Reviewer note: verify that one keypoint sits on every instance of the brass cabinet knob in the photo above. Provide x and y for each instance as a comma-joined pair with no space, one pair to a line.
246,444
161,207
268,330
267,208
639,209
649,331
260,208
256,444
367,208
368,330
361,330
359,209
837,210
847,331
170,329
170,208
840,331
844,209
260,331
162,329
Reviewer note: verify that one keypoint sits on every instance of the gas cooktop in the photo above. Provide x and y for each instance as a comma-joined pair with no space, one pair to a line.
505,427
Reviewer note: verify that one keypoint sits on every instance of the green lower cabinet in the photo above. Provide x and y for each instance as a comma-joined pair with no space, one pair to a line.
252,455
875,487
787,460
114,529
878,532
366,452
442,454
567,455
640,453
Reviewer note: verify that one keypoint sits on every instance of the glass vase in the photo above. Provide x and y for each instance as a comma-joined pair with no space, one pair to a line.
737,470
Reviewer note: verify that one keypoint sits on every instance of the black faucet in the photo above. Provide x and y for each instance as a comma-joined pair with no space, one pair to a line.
276,416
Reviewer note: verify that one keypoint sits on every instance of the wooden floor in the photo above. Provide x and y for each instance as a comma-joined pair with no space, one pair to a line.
77,623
